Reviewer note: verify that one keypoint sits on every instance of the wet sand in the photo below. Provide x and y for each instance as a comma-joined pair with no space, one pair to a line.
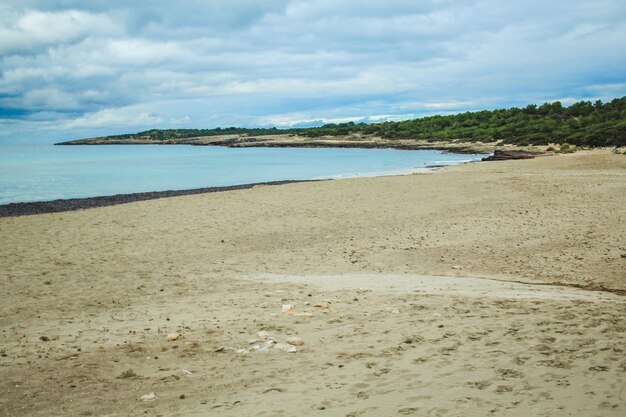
423,294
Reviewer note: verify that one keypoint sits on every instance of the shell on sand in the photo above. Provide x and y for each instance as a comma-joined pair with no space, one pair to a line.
287,308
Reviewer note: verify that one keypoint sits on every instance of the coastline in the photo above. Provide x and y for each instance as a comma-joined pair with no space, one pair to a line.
289,141
72,204
402,295
82,203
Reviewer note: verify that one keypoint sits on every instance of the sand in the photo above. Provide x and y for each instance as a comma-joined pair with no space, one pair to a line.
456,292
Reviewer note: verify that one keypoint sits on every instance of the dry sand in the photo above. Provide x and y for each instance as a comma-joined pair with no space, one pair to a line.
418,312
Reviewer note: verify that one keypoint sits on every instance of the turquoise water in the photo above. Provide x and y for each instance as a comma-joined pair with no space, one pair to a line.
46,172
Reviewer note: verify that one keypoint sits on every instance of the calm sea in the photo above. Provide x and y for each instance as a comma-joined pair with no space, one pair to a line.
47,172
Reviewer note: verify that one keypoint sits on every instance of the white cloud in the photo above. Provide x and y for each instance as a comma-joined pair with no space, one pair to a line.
34,29
114,118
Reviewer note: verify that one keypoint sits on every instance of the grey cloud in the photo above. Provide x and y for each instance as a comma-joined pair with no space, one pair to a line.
207,63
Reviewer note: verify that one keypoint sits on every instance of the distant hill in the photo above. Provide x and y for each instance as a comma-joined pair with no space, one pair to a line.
584,123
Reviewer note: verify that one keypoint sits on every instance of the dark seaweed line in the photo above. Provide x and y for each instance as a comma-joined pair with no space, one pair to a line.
71,204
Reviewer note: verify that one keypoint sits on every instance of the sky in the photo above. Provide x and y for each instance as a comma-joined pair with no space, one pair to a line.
80,68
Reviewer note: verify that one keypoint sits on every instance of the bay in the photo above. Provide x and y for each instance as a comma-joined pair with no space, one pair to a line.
31,173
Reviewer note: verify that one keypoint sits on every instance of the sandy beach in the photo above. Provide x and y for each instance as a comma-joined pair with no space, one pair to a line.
493,288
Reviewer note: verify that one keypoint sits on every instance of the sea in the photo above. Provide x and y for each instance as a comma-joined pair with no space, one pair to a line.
45,172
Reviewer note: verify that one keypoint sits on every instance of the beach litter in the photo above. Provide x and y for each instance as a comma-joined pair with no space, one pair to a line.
269,343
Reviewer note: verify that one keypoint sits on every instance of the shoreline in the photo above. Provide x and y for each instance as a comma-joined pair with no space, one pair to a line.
286,141
73,204
29,208
60,205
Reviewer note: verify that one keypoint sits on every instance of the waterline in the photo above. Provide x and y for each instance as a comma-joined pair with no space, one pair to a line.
30,173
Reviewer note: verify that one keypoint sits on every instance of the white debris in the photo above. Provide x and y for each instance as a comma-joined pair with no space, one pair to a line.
285,347
287,307
148,397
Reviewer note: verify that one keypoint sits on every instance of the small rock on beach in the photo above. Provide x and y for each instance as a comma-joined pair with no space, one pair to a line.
295,341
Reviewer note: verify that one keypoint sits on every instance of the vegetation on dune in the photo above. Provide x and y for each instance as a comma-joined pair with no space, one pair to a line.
581,124
169,134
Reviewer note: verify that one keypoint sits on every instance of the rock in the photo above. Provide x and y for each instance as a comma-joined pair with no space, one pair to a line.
323,304
456,267
263,335
128,374
503,155
44,338
172,337
148,397
296,341
252,341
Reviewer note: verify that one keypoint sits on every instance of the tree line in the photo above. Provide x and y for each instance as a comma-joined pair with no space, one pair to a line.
582,124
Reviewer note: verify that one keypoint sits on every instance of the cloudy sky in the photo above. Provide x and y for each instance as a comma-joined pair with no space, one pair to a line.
75,68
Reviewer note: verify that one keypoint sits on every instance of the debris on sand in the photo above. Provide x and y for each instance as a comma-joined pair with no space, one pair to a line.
129,373
148,397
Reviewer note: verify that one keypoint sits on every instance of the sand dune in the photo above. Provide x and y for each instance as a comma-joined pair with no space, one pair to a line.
402,290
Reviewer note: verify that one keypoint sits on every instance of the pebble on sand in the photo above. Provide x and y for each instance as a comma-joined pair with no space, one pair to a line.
296,341
172,337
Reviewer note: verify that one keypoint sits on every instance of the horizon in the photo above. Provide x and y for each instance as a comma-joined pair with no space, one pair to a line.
74,69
